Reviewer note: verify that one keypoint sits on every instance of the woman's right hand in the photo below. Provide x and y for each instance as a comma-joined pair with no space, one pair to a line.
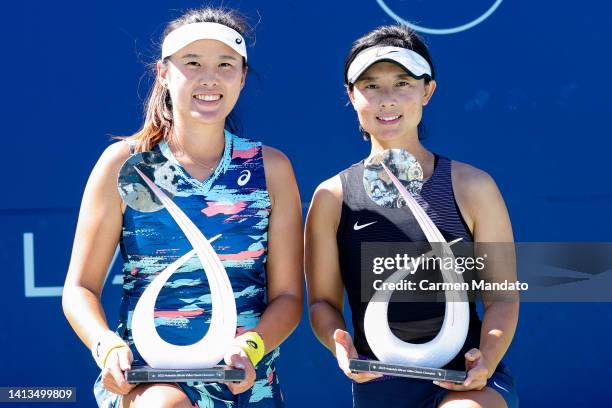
345,350
113,375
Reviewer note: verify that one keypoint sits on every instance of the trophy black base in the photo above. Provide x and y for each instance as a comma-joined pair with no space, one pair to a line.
147,374
425,373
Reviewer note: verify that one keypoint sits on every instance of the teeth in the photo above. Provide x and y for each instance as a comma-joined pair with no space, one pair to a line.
208,97
388,118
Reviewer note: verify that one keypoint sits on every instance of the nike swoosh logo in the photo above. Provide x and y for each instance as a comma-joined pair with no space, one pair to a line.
358,227
497,385
380,53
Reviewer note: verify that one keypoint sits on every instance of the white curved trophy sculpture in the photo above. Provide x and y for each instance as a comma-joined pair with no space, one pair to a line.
448,342
211,348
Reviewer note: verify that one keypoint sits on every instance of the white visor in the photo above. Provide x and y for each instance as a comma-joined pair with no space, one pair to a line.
415,64
188,33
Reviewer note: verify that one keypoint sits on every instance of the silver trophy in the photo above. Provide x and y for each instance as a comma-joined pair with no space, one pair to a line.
146,183
391,178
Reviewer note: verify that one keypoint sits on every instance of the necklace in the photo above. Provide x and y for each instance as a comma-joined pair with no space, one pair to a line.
199,163
205,165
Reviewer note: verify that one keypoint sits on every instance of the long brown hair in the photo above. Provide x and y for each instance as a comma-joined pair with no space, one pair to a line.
158,105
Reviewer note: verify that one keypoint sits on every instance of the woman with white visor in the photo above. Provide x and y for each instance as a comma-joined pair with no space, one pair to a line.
220,211
390,77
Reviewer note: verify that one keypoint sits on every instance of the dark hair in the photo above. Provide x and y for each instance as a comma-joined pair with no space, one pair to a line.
396,35
158,105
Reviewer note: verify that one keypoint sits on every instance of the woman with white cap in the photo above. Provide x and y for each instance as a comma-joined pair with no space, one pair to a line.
185,197
390,77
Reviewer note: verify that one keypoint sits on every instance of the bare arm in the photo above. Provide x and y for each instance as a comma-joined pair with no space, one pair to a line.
284,261
323,278
97,234
325,287
480,198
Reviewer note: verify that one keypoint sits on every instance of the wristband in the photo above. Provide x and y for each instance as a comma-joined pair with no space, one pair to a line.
253,346
102,347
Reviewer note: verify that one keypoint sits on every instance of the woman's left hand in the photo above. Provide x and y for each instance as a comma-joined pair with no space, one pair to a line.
237,358
477,373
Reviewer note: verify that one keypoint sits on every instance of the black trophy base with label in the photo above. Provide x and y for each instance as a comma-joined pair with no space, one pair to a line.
147,374
425,373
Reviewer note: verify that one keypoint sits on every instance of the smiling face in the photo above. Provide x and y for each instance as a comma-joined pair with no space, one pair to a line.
389,102
204,80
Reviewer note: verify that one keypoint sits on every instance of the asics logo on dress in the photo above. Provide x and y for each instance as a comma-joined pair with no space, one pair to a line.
357,227
245,176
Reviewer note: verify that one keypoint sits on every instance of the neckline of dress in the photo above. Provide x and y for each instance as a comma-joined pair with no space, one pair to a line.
206,184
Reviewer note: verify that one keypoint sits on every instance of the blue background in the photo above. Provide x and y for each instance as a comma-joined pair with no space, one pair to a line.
525,96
